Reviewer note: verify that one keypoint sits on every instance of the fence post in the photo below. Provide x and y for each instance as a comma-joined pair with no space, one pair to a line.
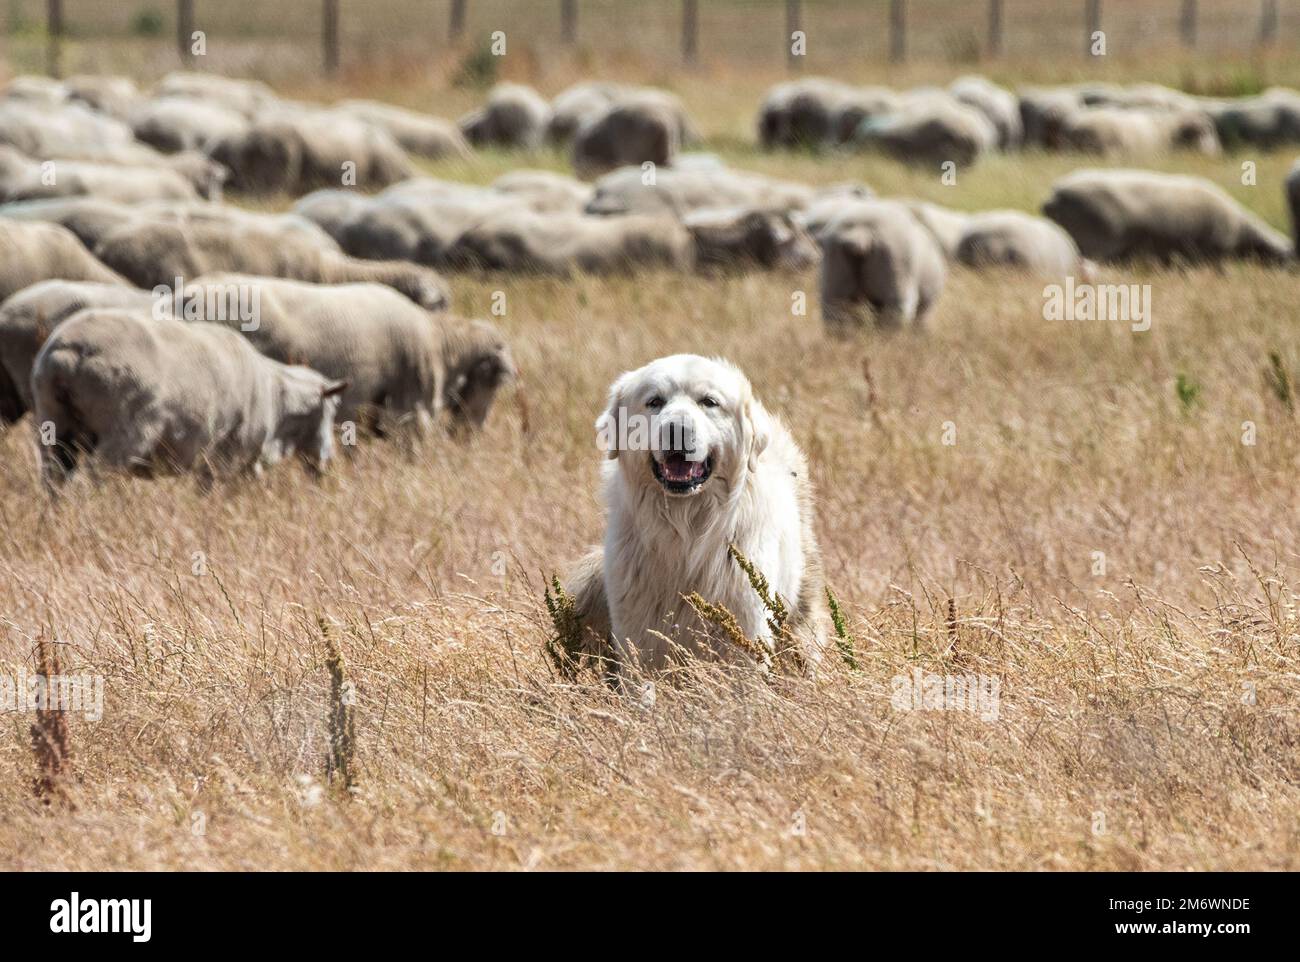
690,31
995,28
330,36
1092,23
54,32
1189,23
185,30
457,28
793,19
569,21
1267,22
897,30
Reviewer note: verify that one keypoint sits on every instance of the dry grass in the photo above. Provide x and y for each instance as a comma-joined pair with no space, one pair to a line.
1127,737
1121,694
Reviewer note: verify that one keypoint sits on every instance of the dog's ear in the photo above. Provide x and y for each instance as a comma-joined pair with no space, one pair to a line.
607,433
756,427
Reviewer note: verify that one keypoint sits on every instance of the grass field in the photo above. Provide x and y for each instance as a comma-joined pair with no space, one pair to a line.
1100,538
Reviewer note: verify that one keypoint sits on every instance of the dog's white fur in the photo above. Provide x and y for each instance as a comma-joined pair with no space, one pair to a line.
661,546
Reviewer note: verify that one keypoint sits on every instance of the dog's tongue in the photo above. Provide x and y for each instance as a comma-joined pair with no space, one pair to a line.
676,467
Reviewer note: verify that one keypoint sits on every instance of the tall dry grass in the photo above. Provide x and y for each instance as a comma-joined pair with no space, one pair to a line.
1127,735
1098,538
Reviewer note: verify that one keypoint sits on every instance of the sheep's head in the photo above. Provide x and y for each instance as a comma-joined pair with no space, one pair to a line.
478,361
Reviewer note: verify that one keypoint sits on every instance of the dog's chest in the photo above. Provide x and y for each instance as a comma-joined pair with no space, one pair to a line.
659,574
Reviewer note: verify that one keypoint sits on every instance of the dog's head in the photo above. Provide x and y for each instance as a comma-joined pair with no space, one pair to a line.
681,422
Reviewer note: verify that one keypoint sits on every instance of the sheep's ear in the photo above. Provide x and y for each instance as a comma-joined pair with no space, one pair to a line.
334,388
782,229
607,433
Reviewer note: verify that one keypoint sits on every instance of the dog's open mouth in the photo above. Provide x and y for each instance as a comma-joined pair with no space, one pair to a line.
680,474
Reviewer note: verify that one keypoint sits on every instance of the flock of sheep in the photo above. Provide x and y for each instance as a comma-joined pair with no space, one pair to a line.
886,260
110,195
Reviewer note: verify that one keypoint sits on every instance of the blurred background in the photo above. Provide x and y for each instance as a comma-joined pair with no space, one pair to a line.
295,41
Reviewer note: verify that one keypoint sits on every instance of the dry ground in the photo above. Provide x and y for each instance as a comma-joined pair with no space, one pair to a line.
1148,699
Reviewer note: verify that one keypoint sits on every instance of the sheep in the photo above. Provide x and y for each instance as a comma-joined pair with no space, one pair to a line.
746,237
1043,111
630,190
1120,215
403,365
579,104
22,178
1269,120
332,209
246,96
1293,202
92,219
930,129
172,124
996,103
585,103
420,134
88,218
514,117
878,263
544,191
297,149
817,112
150,395
525,241
1001,238
638,130
75,132
115,96
1013,239
1131,132
151,253
418,219
26,320
35,251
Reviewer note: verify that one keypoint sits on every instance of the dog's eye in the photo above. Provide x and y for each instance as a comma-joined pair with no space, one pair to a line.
655,402
708,401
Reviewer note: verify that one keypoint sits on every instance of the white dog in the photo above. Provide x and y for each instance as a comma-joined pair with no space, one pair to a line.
696,464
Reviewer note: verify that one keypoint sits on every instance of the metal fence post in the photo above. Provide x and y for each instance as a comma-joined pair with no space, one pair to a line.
995,28
793,17
1188,23
1267,22
185,30
897,30
690,31
54,33
330,36
456,29
1092,23
569,22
